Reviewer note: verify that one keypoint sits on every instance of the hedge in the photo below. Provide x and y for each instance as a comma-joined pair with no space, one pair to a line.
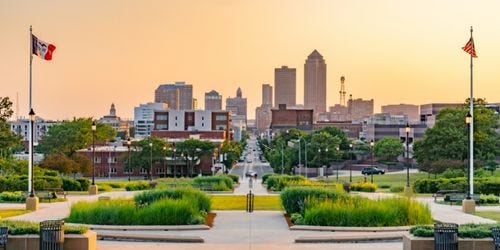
294,198
477,231
363,187
25,227
489,185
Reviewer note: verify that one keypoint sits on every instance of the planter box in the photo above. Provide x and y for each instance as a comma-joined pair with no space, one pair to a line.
419,243
87,241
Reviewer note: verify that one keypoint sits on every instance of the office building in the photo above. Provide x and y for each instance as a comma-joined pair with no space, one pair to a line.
237,106
267,94
359,108
285,86
178,95
213,100
315,83
410,110
144,118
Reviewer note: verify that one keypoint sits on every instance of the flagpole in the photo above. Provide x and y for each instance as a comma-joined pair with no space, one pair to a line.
30,167
471,131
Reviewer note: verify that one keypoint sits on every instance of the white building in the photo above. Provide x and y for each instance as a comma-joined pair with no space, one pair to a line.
41,127
144,118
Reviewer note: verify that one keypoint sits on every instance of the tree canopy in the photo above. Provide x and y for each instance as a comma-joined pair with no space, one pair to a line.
447,141
388,148
8,139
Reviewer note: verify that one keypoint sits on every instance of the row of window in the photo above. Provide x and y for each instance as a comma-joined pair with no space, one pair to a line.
110,160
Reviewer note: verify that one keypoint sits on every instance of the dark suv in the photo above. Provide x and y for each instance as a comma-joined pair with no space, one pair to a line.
372,170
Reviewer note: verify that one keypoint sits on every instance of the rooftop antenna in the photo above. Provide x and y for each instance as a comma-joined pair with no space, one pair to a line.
342,91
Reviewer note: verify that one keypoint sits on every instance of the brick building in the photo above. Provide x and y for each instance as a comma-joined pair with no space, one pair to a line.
283,119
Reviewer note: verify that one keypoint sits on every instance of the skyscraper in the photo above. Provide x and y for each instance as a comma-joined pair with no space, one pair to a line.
238,108
178,95
267,94
213,100
315,83
284,86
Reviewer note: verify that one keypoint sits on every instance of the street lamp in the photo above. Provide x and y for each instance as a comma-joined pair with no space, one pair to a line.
350,165
468,120
128,161
32,122
165,161
173,162
305,157
94,128
150,161
321,160
407,129
338,151
282,159
372,146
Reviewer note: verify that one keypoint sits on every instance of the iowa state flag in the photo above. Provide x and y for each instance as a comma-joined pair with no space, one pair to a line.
42,49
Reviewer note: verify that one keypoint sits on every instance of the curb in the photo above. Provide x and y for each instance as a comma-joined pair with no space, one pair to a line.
150,238
144,228
350,229
351,238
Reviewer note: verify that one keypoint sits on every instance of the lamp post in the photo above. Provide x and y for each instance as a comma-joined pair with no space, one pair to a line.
282,159
321,160
350,165
150,161
468,120
407,129
128,155
338,151
165,161
173,162
305,158
93,188
372,146
32,126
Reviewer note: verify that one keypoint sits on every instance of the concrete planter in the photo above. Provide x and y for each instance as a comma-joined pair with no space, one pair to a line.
411,242
87,241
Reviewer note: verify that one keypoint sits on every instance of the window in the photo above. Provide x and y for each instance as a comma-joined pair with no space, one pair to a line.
203,124
221,127
202,118
162,117
97,160
176,124
176,119
161,127
221,117
144,171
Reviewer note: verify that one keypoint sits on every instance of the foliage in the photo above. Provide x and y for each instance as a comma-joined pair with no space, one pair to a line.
297,219
448,139
25,227
70,136
234,177
16,196
489,185
161,207
217,183
488,199
5,108
84,183
363,187
232,151
137,185
142,157
362,212
8,139
397,189
279,182
453,173
71,185
192,150
149,197
477,231
59,162
265,176
388,148
294,198
10,166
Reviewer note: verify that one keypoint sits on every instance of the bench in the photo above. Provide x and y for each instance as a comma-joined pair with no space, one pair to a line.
45,195
57,192
454,197
443,193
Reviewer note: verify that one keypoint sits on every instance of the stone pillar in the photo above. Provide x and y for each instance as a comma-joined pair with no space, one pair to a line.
32,203
469,206
93,190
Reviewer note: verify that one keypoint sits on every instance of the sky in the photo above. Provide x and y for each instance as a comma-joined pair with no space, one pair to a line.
119,51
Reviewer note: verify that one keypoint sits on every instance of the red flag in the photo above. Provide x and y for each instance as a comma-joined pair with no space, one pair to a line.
469,48
42,49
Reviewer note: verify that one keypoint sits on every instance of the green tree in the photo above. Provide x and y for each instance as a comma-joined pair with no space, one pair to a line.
193,150
70,136
389,148
5,108
142,157
9,141
60,162
232,151
448,139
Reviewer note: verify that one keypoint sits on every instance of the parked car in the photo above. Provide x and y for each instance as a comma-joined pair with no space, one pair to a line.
372,170
251,174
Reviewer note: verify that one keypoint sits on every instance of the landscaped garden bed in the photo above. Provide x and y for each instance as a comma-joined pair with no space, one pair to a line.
179,206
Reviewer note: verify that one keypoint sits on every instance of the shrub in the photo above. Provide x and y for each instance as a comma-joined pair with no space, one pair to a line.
488,199
44,182
138,185
489,185
84,183
297,219
362,212
280,182
385,185
170,212
294,198
216,182
464,231
149,197
234,177
397,189
363,187
71,185
111,212
265,176
16,196
103,187
25,227
452,173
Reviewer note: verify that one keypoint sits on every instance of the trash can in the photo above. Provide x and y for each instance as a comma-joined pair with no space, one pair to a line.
446,236
52,235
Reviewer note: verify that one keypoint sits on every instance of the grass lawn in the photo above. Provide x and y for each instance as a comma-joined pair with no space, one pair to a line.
387,180
489,215
238,202
5,213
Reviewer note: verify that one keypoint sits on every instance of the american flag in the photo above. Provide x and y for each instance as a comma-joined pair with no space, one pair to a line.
469,48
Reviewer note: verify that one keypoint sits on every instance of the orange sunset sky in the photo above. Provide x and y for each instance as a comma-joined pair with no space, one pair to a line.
119,51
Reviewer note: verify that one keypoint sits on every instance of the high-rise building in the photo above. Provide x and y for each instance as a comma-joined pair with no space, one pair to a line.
410,110
285,86
429,112
315,83
267,94
359,108
144,118
178,95
237,106
213,100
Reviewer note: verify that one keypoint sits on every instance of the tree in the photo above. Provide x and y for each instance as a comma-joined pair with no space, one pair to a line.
448,139
389,148
8,139
70,136
232,151
193,150
141,159
322,149
60,162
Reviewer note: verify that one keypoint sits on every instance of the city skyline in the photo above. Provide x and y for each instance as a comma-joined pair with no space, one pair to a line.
392,51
